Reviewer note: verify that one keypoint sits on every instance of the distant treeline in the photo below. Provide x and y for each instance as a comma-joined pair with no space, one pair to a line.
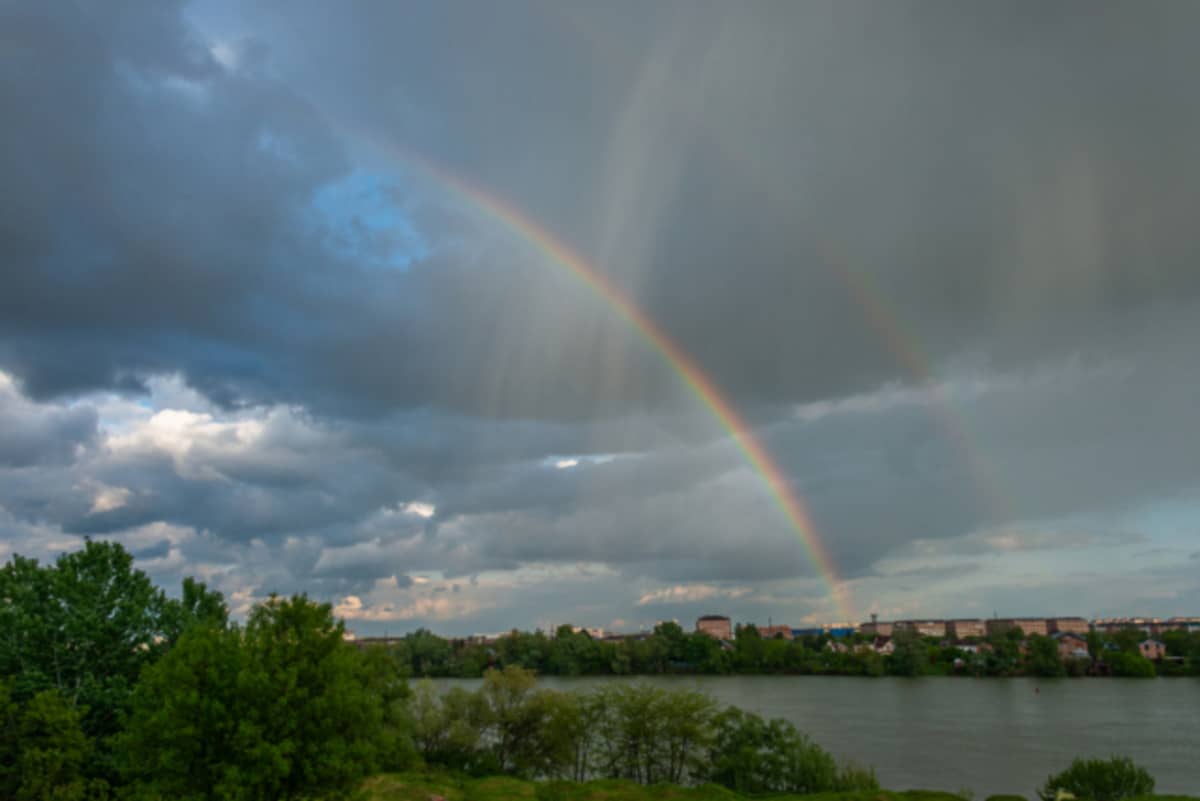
670,649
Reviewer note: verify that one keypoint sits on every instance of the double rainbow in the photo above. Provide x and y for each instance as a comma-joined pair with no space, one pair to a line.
706,391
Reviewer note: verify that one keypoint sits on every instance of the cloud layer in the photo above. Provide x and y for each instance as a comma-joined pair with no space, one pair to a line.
941,258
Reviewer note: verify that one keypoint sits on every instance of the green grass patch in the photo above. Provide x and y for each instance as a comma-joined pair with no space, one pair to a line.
450,787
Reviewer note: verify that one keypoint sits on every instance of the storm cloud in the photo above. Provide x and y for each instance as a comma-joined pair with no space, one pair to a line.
940,256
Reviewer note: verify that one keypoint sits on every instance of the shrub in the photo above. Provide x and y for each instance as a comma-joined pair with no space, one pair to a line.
1100,780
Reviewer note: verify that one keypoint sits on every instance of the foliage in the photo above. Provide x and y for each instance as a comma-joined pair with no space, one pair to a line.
84,626
1043,658
1129,664
283,708
751,755
1100,780
43,751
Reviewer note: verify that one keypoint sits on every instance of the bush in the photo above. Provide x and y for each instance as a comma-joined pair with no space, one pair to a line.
1005,798
752,755
1100,780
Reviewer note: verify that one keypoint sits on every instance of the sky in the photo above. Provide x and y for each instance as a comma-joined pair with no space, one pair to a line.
287,304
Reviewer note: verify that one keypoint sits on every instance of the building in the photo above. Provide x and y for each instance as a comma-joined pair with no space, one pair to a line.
1147,625
965,627
1071,645
1182,624
717,626
1028,625
876,628
926,628
1074,625
1153,650
771,632
883,645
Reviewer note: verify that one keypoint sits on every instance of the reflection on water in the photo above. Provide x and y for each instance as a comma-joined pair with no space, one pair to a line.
986,735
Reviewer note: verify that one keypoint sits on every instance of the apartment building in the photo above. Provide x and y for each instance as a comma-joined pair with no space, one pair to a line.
965,627
1028,625
717,626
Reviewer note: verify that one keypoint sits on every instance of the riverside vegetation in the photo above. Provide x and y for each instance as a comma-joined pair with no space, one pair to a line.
110,689
670,649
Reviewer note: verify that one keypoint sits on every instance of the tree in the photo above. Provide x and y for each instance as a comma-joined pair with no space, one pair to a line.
85,627
281,709
1043,658
513,717
754,756
196,606
43,751
910,657
1099,780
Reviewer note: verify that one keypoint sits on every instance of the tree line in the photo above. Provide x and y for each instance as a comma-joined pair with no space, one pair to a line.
670,649
110,689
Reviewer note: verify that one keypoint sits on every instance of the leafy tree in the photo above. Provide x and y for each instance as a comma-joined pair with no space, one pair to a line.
1099,780
1043,658
1129,664
650,735
281,709
196,606
909,657
754,756
513,717
43,751
1127,639
447,729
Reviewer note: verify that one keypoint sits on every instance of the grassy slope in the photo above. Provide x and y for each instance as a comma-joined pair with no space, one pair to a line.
428,786
423,787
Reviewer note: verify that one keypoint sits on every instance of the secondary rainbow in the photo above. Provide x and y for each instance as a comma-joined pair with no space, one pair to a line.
558,252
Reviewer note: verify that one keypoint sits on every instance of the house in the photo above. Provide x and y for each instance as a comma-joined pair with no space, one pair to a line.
836,647
883,645
971,647
1153,650
771,632
717,626
1071,645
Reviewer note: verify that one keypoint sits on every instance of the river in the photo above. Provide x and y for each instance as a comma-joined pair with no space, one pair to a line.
988,736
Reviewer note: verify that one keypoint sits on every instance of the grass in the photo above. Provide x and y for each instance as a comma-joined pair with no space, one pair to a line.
429,786
451,787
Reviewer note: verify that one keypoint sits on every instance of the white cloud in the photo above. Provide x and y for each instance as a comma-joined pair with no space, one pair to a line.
690,593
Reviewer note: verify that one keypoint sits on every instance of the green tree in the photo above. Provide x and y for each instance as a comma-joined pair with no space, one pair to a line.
1129,664
910,657
281,709
43,751
1099,780
513,718
755,756
196,606
1043,658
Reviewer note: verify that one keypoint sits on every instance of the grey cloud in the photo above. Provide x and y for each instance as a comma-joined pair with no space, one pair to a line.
31,435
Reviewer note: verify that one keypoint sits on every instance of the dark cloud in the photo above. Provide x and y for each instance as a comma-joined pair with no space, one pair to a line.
940,256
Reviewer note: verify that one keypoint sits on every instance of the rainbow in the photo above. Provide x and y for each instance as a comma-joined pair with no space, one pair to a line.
560,254
887,326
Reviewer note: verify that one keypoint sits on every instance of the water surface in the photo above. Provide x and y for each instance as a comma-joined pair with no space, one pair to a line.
988,736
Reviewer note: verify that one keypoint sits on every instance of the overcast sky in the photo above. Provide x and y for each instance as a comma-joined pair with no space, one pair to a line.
942,257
